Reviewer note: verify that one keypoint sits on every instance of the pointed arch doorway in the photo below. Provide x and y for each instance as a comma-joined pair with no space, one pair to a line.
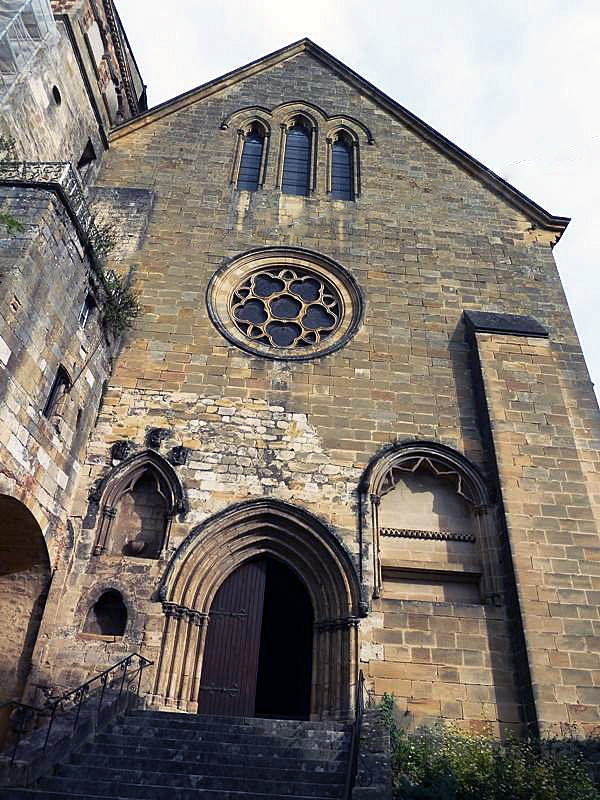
258,652
293,546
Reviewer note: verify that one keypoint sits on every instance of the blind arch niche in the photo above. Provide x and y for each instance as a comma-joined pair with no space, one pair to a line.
431,526
144,489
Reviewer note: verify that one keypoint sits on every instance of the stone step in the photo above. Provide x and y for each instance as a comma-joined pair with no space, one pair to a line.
10,793
201,794
231,733
154,755
100,777
114,790
242,754
194,742
273,769
195,738
258,722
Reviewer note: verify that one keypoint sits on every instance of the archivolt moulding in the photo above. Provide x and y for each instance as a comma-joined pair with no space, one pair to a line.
285,111
218,547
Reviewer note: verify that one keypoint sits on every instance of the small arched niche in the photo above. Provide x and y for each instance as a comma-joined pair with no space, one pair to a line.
107,616
141,520
427,532
138,500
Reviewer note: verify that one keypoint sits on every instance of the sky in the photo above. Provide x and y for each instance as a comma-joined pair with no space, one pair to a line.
515,83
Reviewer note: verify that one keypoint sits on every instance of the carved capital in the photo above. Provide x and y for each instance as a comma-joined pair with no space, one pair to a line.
197,618
192,616
172,610
120,450
340,624
179,455
156,436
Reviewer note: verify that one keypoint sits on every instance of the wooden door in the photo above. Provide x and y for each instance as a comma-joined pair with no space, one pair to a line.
230,664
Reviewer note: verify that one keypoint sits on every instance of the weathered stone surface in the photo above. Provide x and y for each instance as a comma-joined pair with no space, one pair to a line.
481,607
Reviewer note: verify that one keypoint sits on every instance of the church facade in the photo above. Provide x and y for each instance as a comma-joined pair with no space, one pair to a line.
350,429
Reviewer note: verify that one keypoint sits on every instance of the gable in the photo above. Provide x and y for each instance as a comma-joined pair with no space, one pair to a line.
494,183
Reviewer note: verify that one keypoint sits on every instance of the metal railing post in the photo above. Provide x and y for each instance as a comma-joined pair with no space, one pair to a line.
355,737
77,695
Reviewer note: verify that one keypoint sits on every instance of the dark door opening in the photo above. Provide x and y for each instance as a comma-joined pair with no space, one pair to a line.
285,660
258,656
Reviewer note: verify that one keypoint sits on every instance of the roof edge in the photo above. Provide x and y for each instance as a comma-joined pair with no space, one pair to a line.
515,198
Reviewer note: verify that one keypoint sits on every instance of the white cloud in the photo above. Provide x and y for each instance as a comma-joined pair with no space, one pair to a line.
514,83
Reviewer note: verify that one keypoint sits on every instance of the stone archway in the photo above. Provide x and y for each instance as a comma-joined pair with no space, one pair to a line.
217,548
24,583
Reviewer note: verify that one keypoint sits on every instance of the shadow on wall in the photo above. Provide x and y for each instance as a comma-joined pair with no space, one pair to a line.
24,583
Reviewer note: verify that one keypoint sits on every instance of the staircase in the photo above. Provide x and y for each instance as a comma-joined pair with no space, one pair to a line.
152,755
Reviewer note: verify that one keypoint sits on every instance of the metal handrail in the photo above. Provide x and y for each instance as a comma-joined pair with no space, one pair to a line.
355,737
74,698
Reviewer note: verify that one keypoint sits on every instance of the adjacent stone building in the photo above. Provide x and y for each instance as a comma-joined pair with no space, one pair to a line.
352,427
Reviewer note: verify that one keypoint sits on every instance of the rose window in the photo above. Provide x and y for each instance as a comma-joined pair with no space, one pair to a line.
284,303
286,308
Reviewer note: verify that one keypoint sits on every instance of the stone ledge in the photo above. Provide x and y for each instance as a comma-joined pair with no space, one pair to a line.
507,324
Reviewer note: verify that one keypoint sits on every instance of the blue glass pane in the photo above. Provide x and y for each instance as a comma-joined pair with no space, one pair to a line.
341,171
296,164
265,285
283,333
308,289
285,307
252,311
316,317
250,164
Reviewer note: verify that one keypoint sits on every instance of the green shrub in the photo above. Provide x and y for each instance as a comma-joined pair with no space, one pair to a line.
121,305
446,763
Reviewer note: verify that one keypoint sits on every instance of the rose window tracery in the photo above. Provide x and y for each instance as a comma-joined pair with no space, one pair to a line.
284,303
286,308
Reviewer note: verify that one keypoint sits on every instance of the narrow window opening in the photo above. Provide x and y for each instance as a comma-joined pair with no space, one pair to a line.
249,175
89,304
56,95
108,616
87,158
341,169
60,387
296,164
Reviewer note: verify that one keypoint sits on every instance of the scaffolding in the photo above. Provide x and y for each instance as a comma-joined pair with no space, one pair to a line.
24,28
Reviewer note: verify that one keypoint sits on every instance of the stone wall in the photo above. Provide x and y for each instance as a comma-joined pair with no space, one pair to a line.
550,493
450,661
424,241
44,279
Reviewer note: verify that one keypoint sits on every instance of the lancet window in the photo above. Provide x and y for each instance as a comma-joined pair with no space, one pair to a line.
249,176
297,159
342,168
